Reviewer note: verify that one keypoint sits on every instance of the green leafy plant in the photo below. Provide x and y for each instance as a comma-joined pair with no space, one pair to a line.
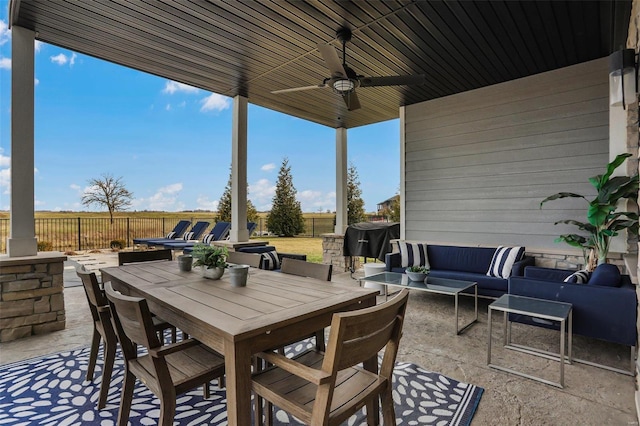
117,244
603,219
209,256
418,269
45,246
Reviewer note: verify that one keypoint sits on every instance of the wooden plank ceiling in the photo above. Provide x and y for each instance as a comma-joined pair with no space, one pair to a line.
253,47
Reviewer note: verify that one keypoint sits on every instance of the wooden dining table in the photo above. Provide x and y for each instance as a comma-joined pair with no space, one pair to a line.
273,309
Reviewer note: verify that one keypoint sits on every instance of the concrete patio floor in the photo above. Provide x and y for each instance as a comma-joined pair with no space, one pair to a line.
592,396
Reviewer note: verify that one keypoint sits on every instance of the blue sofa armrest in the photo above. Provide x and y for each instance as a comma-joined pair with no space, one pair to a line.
606,313
392,260
518,268
547,274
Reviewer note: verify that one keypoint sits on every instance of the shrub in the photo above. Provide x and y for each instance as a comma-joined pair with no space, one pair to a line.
117,244
45,246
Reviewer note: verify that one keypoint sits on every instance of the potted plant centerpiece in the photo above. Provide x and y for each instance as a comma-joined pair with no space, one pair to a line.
417,273
603,219
211,259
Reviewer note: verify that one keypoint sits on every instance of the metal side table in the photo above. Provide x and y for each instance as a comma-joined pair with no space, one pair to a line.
536,308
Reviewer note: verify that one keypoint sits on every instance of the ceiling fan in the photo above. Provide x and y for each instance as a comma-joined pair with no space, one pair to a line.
344,80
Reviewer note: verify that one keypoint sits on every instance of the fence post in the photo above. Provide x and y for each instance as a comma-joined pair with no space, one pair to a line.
313,227
79,236
163,228
128,232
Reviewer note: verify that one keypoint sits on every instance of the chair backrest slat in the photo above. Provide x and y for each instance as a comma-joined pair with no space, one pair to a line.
240,258
125,257
359,335
302,268
132,319
95,296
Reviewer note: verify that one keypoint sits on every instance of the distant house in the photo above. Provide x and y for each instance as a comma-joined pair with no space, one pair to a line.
386,204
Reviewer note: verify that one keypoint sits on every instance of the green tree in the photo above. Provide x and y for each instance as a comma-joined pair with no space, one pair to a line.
109,192
224,206
285,218
355,203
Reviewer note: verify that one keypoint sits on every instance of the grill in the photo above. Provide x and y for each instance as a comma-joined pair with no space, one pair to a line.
369,239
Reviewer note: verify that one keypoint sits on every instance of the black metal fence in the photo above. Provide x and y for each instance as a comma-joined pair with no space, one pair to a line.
69,234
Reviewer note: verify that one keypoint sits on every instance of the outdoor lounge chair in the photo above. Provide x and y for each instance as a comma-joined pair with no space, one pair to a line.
219,232
194,234
177,232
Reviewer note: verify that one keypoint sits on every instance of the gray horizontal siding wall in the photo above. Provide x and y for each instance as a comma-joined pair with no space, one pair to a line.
479,163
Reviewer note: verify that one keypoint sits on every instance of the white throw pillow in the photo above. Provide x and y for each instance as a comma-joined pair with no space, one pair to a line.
578,277
413,254
171,235
503,260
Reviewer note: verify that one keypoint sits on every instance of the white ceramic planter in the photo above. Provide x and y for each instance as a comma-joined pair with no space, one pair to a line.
212,273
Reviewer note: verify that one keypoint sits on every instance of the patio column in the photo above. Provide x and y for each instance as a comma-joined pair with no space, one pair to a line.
341,181
239,171
22,239
403,210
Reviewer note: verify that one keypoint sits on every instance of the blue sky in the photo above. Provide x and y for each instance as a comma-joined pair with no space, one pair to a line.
171,143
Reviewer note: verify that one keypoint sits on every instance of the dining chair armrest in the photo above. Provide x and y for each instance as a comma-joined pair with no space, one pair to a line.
313,375
173,347
104,308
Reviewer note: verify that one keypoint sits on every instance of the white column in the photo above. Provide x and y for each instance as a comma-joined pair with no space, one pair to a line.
22,238
239,171
403,210
341,181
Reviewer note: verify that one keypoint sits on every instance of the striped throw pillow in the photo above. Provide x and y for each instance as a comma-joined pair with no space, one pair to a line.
413,254
503,260
270,260
208,238
171,235
188,236
578,277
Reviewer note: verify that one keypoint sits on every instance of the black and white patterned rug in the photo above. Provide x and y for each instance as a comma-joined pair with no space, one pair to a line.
52,390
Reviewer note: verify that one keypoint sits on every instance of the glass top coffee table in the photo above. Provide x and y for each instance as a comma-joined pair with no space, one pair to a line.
430,285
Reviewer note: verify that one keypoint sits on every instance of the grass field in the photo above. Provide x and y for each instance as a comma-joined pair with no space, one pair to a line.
312,247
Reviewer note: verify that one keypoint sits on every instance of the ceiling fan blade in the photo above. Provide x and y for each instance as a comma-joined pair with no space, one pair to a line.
298,89
352,101
395,80
332,60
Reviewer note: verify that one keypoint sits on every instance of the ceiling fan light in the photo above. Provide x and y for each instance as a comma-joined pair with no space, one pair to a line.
343,86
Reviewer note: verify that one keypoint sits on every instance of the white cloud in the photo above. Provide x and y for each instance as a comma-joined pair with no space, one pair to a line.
268,167
168,107
262,193
5,32
5,63
37,46
39,203
172,87
165,199
214,102
5,180
204,203
5,160
312,201
59,59
182,104
75,187
36,81
62,59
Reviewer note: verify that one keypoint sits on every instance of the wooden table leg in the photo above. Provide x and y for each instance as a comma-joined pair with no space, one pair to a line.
237,361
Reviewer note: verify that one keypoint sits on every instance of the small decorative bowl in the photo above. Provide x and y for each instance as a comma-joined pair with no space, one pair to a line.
416,276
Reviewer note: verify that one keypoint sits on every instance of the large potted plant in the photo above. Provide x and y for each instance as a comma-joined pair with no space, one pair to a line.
603,219
211,259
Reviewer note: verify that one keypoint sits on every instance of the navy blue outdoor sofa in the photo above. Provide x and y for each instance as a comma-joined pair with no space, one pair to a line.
177,232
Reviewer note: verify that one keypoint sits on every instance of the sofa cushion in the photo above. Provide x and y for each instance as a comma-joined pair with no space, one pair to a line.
270,260
605,275
503,260
484,282
465,259
413,254
256,249
578,277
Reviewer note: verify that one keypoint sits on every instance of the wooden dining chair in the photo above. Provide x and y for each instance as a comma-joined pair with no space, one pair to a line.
240,258
320,271
102,330
327,388
126,257
167,370
302,268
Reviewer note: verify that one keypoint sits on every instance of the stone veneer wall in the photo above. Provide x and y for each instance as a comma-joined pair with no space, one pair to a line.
332,253
31,295
572,261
